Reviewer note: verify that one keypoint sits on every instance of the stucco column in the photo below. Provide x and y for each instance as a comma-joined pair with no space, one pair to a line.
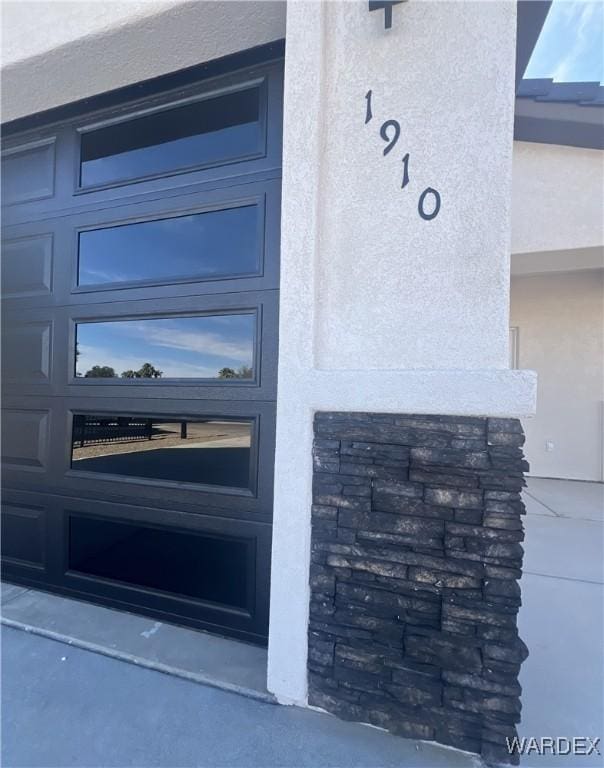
384,305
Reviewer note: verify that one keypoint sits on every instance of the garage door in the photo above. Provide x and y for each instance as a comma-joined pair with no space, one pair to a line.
140,310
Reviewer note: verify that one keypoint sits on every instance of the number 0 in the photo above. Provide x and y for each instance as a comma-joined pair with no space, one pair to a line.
420,205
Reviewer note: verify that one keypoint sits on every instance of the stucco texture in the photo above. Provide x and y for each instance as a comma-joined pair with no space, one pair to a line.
78,49
557,195
394,290
560,335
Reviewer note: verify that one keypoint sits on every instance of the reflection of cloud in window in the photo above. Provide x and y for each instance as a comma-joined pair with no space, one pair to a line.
194,341
193,353
101,276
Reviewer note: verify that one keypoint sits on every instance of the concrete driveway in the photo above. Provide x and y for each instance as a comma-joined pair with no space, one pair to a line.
562,615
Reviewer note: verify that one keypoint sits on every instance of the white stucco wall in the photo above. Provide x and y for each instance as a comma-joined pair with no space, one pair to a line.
379,259
380,310
557,195
57,52
560,318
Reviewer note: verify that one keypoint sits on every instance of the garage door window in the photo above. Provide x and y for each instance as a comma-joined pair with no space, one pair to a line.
202,246
212,131
203,567
208,452
151,350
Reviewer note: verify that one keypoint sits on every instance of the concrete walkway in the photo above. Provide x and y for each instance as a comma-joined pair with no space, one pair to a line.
64,706
199,656
562,616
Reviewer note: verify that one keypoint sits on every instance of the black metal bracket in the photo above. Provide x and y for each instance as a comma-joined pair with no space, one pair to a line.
377,5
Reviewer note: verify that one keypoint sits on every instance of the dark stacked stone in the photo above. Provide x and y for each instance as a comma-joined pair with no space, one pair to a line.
416,557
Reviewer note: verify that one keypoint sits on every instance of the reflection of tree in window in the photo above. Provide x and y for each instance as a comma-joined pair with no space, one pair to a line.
244,372
146,371
178,347
100,372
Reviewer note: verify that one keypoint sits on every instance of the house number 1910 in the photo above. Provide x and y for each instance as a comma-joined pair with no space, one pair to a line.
428,204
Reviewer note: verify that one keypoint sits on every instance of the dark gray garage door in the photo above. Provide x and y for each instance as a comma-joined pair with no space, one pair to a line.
140,307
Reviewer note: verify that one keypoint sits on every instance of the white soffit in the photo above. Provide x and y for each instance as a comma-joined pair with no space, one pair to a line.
557,261
75,50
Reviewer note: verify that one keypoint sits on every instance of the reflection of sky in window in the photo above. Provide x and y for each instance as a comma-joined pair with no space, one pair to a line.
202,245
184,152
571,43
183,347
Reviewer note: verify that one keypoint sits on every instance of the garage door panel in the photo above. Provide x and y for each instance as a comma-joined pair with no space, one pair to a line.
31,548
45,253
120,551
27,266
103,473
37,264
34,351
216,347
223,462
69,197
28,171
95,546
24,534
25,439
195,504
193,457
230,340
34,434
35,180
205,237
26,352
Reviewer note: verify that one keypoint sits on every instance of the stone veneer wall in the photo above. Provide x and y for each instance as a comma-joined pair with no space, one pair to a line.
416,558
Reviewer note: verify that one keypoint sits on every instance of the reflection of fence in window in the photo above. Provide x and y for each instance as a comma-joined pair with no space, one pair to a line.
213,451
88,430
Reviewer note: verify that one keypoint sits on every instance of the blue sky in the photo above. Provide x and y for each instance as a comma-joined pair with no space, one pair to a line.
181,347
571,44
222,242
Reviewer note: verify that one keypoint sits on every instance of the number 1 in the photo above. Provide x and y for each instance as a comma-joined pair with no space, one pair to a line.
368,113
406,171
